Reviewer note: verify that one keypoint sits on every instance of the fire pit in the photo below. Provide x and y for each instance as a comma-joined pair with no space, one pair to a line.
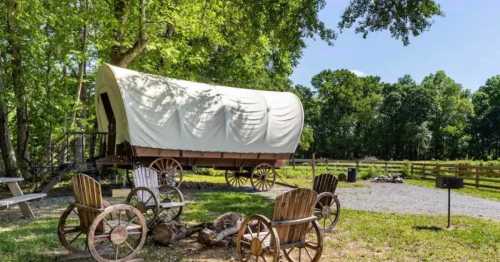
449,182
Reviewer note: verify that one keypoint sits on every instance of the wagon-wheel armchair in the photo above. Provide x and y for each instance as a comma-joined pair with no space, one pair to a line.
158,203
293,230
108,232
327,207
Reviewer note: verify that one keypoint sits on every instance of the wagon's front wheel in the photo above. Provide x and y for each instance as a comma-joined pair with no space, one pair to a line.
257,240
70,234
169,171
263,177
310,249
117,234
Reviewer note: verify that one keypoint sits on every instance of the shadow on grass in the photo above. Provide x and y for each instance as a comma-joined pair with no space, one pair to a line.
428,228
28,240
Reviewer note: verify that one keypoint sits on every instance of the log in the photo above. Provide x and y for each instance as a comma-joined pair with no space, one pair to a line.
221,230
171,232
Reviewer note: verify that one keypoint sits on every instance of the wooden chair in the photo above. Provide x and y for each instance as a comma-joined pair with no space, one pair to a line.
293,229
327,207
157,202
113,232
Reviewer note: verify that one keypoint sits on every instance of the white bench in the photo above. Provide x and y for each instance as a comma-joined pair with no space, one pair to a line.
18,197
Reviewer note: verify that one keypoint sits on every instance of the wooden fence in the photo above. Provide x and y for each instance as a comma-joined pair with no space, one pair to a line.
485,176
477,175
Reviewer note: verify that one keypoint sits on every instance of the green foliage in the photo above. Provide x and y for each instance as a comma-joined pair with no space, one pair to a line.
401,18
250,44
371,172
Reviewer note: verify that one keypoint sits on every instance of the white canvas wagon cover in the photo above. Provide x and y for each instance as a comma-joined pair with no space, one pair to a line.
159,112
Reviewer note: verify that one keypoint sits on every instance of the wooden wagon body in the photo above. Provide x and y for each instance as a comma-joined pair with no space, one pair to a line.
150,118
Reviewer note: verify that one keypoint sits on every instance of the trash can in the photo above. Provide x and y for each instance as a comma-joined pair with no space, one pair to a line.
351,175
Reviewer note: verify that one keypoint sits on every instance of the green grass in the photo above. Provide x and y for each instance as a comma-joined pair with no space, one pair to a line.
360,235
467,190
300,176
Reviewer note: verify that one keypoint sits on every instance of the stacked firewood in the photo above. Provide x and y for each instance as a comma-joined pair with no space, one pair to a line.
220,232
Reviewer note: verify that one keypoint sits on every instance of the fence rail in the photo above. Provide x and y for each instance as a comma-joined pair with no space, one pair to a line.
476,175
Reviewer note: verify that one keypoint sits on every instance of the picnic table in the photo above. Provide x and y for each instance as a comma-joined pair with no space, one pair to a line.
18,197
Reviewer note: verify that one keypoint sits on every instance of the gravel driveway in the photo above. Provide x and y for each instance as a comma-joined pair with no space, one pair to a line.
403,198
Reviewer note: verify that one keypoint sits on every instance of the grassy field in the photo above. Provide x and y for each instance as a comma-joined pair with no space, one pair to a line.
300,176
360,236
468,190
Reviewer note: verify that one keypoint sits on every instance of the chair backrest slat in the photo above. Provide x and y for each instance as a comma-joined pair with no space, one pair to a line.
295,204
87,192
146,177
325,183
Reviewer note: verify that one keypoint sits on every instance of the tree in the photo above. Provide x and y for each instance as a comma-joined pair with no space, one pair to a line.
486,124
452,111
347,112
401,18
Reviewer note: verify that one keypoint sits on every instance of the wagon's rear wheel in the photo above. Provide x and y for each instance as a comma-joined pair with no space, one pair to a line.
310,249
117,234
257,240
327,209
70,234
263,177
235,178
169,171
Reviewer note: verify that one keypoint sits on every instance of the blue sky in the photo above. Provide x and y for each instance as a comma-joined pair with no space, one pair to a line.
465,43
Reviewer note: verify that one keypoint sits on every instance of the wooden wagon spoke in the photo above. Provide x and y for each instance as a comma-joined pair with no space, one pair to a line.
128,245
307,252
76,237
102,237
117,251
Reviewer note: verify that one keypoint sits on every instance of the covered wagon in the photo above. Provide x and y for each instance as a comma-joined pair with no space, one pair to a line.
171,125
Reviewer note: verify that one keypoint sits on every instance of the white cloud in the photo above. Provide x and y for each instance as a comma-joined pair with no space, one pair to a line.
357,72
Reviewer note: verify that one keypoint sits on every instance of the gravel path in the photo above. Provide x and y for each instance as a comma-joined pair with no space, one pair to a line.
402,198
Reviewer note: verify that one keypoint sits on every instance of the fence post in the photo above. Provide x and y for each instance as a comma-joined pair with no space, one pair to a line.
385,169
313,165
478,168
423,171
411,168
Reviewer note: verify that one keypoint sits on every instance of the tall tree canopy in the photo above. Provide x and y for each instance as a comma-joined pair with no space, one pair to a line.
50,49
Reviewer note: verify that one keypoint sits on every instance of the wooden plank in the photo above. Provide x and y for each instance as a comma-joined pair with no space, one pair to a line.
293,205
6,202
25,207
10,179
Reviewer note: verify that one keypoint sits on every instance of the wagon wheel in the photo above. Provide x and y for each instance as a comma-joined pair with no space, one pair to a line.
257,240
263,177
170,194
145,201
70,234
235,178
310,249
327,209
169,171
117,234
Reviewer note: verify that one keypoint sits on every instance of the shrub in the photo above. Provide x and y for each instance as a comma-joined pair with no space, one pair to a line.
371,171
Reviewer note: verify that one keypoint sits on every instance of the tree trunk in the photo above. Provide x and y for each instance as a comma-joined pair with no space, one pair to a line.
14,49
119,55
6,148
